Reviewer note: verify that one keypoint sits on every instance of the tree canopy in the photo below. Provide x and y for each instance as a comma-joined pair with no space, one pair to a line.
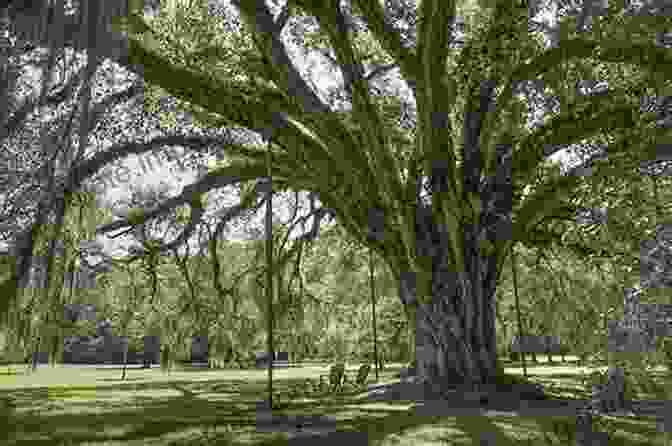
354,170
487,170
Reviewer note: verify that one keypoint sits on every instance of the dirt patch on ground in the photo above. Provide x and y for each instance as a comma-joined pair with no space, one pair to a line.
412,390
493,403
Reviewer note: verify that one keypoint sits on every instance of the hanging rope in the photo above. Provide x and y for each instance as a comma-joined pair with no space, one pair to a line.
515,293
269,274
373,313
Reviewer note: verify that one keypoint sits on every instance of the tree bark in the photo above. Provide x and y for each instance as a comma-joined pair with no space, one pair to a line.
455,305
455,343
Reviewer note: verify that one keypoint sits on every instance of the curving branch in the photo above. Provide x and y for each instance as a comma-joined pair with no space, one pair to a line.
640,54
311,110
234,211
256,12
91,166
380,160
191,195
281,21
114,99
380,71
591,115
390,39
254,108
258,109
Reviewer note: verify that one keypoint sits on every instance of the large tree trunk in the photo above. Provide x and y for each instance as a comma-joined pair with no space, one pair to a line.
454,305
151,351
36,351
455,339
56,350
166,358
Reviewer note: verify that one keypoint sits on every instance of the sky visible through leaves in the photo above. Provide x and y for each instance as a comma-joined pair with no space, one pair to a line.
312,65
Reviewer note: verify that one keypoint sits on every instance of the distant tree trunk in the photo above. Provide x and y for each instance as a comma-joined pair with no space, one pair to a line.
549,348
165,358
125,358
36,350
56,349
377,359
269,275
411,319
151,348
583,359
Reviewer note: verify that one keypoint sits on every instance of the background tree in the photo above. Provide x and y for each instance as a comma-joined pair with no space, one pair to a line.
124,310
471,368
459,231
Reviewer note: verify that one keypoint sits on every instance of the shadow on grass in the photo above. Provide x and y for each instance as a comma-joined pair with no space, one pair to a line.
180,412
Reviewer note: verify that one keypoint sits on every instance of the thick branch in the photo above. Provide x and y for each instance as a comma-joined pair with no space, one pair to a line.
235,173
258,14
390,39
316,114
92,165
592,115
380,160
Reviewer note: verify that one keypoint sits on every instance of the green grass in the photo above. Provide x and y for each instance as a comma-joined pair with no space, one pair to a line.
92,406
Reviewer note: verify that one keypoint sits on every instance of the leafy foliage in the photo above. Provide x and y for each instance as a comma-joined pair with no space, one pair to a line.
486,168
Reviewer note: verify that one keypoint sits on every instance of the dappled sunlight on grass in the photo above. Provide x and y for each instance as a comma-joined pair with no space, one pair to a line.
91,406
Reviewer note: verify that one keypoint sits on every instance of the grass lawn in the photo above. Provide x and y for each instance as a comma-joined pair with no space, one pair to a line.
72,405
